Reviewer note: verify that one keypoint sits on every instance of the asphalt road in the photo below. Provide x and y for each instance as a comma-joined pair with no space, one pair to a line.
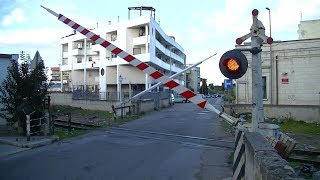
181,142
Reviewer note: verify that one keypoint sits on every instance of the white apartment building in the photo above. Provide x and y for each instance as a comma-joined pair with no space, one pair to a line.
90,67
295,70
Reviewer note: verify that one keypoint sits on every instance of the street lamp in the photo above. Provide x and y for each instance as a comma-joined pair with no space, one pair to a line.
171,48
271,63
120,83
61,78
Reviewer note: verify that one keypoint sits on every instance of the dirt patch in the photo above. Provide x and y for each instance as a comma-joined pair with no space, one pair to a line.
88,119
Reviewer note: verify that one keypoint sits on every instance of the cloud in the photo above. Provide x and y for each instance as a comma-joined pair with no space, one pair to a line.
31,37
15,16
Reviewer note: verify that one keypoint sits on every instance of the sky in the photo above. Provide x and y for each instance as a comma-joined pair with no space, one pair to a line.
202,28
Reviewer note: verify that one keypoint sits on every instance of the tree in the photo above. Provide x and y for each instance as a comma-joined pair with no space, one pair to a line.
23,92
204,88
211,88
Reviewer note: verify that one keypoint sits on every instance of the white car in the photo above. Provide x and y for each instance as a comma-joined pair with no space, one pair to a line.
179,99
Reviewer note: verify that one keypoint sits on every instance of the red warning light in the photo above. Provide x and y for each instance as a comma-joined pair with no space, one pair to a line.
232,65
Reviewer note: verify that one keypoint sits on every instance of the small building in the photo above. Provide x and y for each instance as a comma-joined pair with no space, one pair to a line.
5,62
193,79
55,74
295,70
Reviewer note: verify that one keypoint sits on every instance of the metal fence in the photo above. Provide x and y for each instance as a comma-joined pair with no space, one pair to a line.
37,126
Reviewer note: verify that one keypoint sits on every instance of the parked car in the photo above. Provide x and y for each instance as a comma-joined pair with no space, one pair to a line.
179,99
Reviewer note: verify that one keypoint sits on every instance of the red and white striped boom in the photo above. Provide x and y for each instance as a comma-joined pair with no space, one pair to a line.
158,76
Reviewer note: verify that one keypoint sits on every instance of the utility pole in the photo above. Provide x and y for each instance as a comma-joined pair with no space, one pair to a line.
85,66
271,61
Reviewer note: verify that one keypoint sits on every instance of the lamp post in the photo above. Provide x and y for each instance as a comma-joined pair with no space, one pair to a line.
120,84
61,78
271,62
171,48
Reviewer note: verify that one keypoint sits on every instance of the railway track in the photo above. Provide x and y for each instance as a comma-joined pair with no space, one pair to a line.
304,156
75,125
298,155
177,138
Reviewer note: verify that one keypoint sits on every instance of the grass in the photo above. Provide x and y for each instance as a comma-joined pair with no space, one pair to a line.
291,125
63,134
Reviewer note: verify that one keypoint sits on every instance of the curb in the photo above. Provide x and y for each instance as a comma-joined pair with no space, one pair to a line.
30,144
8,153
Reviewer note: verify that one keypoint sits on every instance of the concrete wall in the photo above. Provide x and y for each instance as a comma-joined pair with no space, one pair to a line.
262,160
66,99
307,113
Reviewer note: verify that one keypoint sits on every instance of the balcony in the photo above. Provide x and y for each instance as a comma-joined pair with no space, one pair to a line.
141,40
165,65
77,52
64,54
167,52
96,48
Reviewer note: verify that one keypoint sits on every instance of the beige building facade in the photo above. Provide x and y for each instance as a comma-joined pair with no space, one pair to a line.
295,77
295,68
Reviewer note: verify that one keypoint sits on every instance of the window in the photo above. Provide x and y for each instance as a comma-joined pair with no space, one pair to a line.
264,87
113,55
136,51
79,60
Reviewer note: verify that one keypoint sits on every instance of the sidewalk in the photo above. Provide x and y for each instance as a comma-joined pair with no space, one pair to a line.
14,144
21,141
11,143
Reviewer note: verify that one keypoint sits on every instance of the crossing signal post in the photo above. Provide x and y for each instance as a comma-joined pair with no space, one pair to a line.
257,35
233,64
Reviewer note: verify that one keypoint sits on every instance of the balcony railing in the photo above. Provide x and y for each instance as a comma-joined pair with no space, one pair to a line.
141,40
167,52
76,52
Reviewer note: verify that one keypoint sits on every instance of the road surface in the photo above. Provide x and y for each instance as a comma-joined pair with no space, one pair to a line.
181,142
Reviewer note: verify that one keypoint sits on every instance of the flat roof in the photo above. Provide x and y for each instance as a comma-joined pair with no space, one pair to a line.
6,56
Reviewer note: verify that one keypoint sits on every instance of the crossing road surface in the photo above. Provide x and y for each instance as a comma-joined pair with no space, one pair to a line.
181,142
